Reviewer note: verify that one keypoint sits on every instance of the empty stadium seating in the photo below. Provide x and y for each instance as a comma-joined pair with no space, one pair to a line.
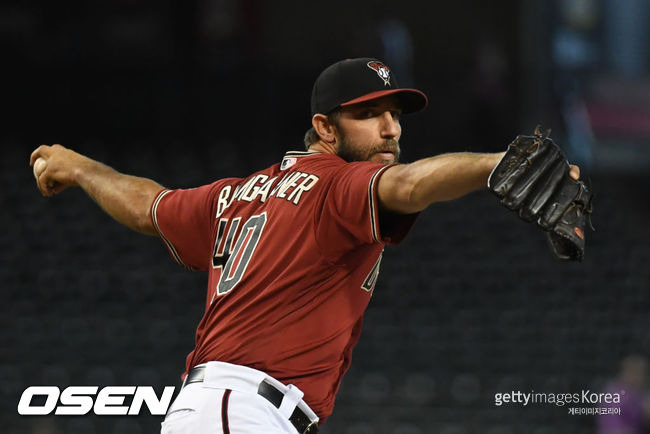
471,304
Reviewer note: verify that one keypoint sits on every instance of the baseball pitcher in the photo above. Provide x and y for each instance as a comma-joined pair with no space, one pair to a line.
293,251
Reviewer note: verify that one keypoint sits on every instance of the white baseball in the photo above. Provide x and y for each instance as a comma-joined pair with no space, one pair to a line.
39,166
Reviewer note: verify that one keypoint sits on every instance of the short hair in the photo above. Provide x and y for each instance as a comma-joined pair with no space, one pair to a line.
311,136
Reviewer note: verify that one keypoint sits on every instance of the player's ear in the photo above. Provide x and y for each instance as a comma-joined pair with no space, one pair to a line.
323,127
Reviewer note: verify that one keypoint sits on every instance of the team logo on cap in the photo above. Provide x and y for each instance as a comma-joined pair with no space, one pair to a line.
382,71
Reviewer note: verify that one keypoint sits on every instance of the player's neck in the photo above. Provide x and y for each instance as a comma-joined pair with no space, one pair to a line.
324,147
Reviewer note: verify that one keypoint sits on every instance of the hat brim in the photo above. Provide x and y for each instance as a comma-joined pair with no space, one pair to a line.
411,100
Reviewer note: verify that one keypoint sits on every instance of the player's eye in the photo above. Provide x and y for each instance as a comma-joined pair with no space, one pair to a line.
365,114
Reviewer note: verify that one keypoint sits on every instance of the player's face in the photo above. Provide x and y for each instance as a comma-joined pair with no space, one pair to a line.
370,131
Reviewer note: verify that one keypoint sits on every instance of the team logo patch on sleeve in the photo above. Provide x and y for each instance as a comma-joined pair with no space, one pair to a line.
382,71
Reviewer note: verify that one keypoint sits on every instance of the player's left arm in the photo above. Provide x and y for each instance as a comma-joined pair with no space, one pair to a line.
410,188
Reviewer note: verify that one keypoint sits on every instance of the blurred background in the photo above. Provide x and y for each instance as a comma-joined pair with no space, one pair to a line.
472,304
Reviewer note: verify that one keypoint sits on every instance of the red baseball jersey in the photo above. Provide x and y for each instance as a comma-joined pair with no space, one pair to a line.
292,253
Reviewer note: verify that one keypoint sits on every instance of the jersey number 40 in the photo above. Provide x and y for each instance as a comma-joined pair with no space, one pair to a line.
233,260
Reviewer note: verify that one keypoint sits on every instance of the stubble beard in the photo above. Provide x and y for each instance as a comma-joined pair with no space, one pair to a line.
351,152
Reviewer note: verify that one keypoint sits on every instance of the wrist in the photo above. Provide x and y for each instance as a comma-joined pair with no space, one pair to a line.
495,159
83,169
491,163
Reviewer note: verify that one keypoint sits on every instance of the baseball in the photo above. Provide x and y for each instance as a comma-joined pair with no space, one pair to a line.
39,166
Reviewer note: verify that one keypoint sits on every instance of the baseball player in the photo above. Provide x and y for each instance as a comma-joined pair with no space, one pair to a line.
292,252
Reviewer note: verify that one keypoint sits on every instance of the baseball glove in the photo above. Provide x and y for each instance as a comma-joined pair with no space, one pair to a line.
533,179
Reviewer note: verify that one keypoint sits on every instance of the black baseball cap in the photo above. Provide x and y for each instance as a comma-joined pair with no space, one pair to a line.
352,81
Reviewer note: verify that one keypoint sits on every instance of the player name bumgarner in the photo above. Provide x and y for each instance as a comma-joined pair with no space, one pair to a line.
260,187
558,399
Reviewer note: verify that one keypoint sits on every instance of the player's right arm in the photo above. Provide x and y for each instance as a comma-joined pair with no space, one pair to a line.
126,198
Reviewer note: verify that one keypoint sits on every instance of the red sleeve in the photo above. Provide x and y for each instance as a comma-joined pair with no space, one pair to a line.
350,214
183,219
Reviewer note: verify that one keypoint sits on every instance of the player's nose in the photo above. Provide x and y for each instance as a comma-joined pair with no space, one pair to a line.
390,126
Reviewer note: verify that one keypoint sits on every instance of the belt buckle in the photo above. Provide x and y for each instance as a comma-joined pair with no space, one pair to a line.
312,428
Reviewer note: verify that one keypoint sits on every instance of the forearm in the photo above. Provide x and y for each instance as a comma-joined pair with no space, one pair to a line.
409,188
126,198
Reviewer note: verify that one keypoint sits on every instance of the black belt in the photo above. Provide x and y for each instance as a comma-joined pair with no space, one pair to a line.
298,418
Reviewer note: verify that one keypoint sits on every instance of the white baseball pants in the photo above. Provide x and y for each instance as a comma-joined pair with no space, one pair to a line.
227,402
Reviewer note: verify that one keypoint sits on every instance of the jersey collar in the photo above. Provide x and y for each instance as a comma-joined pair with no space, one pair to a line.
300,153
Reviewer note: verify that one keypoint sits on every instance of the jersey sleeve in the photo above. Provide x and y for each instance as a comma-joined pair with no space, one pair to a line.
183,219
350,212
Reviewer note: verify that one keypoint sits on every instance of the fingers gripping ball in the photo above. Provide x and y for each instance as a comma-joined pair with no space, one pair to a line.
534,179
39,166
